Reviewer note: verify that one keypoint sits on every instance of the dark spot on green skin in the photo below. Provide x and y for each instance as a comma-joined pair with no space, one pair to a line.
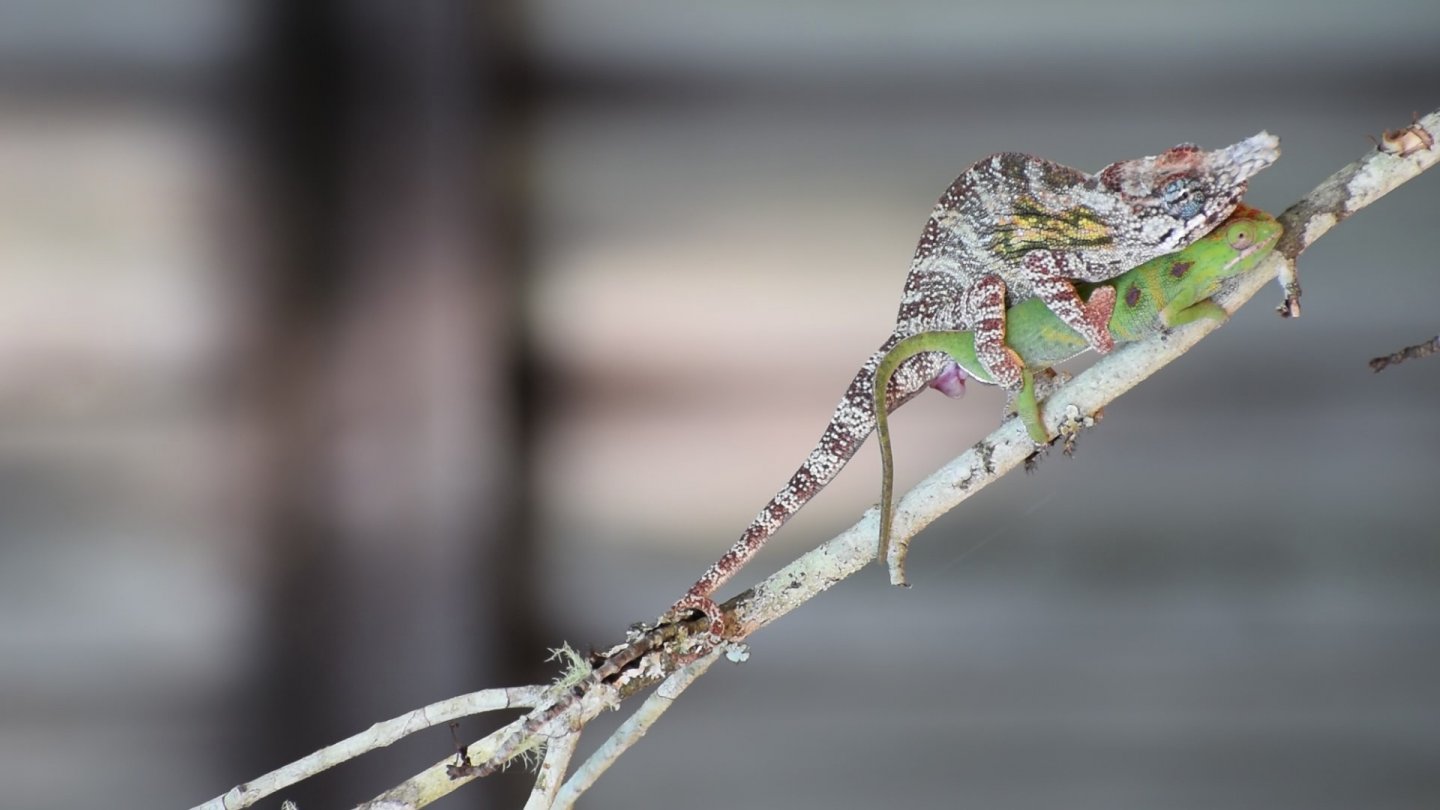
1132,296
1179,269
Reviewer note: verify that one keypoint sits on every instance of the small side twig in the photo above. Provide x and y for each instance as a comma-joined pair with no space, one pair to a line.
1425,349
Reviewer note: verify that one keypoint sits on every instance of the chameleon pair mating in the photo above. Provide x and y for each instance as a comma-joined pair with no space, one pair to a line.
1160,294
1020,230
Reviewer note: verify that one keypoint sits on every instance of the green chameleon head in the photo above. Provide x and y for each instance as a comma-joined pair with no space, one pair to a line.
1159,293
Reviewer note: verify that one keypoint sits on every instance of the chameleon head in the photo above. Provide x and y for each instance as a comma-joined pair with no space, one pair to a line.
1181,194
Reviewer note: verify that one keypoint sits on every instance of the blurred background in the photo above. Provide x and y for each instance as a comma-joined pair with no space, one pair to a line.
354,354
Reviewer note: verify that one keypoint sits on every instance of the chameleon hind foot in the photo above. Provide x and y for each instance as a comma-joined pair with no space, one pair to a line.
706,607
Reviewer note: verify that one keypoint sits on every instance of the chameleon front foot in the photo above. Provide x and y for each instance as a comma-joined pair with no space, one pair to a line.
1073,423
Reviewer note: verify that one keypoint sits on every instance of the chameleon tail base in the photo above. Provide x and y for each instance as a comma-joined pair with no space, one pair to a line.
851,424
952,344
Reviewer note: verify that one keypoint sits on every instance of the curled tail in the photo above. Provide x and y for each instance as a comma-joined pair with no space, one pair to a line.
852,422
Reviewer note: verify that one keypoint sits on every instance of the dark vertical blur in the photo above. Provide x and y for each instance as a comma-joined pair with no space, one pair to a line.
396,490
302,96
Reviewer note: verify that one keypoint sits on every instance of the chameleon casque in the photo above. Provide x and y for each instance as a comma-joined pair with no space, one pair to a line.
1161,294
1012,227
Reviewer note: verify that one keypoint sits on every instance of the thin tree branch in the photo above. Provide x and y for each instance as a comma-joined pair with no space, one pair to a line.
552,771
377,736
442,778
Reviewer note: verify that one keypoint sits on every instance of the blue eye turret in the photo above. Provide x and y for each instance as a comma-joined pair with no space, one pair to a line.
1183,197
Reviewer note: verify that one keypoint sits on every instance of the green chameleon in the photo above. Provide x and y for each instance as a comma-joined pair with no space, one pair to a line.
1160,294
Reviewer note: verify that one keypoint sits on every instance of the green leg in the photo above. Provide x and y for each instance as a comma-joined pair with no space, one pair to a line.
1029,410
1199,311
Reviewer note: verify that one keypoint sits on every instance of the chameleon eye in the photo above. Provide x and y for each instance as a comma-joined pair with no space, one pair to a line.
1182,197
1240,237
